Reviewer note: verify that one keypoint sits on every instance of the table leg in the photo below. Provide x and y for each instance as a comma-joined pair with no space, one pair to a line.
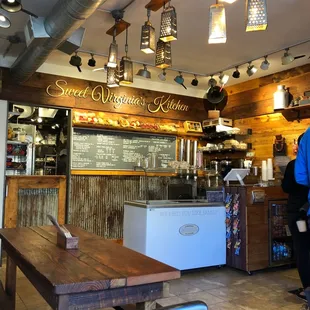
10,281
63,302
166,289
147,305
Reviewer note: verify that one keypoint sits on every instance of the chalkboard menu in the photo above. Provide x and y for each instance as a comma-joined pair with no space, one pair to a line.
109,150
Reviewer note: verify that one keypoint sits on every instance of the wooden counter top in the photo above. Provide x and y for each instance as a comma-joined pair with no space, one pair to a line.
128,173
34,177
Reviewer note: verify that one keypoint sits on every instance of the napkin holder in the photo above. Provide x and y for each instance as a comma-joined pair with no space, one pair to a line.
67,243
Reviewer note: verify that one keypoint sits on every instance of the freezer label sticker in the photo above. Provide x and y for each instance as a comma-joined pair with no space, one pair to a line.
189,230
189,213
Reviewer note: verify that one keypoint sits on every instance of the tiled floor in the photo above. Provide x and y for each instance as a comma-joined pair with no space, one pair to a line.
221,289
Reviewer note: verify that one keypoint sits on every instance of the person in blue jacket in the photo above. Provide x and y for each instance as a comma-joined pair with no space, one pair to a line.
302,165
302,176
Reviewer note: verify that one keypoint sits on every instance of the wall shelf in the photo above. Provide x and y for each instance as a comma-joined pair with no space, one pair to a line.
304,108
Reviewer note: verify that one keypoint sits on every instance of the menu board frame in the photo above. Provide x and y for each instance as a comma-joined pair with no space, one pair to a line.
119,133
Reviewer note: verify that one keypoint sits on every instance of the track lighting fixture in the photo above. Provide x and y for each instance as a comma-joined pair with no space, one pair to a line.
162,75
148,43
288,58
212,82
163,55
195,81
217,24
236,73
265,64
126,66
168,24
112,77
4,19
144,72
256,11
180,80
92,61
251,69
113,52
76,61
223,78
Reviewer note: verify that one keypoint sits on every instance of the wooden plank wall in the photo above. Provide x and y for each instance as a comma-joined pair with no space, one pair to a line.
250,104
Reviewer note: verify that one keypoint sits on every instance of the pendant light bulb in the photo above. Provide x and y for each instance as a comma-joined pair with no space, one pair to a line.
112,77
148,43
126,66
113,51
217,24
163,57
256,12
168,24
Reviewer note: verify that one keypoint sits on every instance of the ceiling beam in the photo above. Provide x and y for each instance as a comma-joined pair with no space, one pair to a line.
155,5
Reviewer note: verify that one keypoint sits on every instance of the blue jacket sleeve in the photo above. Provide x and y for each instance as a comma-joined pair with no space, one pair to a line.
302,164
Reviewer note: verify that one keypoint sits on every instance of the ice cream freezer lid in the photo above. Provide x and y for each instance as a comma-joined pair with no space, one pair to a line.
173,203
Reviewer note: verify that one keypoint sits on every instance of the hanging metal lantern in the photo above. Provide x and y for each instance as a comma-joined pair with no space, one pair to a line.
256,12
148,43
112,59
126,66
163,55
112,77
217,24
126,71
168,25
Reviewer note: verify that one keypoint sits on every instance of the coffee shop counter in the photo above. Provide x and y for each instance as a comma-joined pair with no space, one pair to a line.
185,234
256,227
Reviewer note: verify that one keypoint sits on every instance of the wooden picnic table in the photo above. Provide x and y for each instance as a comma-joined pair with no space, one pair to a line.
99,274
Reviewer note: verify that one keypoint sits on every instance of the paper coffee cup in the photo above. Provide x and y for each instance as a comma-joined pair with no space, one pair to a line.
302,226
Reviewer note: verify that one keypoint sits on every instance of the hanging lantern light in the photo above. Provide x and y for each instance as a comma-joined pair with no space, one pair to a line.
112,77
217,24
163,55
126,66
148,43
256,12
168,24
113,51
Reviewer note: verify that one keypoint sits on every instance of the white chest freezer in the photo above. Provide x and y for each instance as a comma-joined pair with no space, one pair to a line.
184,234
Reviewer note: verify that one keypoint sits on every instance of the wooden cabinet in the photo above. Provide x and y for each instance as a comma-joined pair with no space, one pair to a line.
253,227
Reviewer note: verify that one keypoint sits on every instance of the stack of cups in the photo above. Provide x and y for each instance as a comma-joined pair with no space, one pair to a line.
264,171
269,169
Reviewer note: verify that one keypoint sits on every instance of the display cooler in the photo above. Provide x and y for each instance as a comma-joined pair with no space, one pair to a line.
280,238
